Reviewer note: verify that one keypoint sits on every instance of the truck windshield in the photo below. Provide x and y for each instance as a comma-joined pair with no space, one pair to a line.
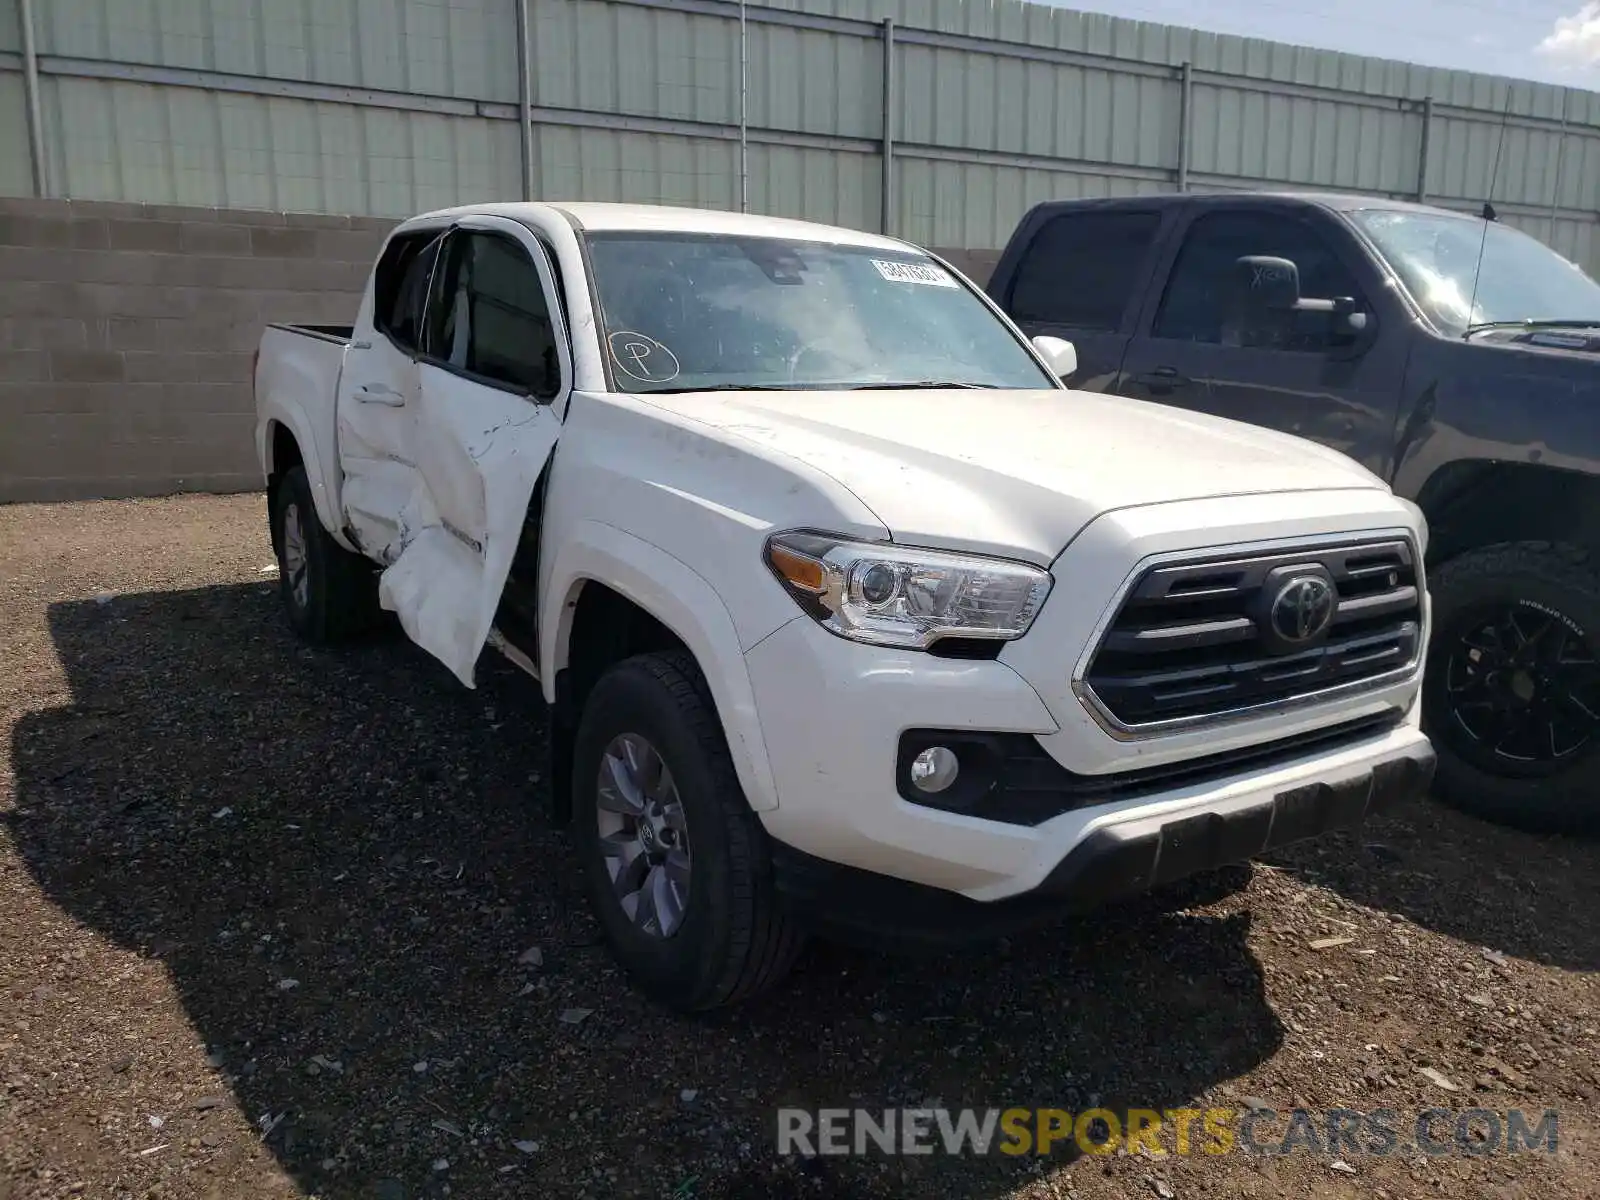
1436,257
691,312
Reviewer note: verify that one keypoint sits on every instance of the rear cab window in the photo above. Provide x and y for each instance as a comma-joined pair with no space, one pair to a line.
400,287
1083,269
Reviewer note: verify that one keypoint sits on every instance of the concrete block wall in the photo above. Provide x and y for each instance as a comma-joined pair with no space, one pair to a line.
126,333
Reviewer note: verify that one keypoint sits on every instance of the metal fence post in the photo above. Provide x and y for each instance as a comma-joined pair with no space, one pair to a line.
1555,194
886,218
1422,151
744,109
525,94
30,85
1185,121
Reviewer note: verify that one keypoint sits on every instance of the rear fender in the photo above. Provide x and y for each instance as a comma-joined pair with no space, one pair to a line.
322,494
282,380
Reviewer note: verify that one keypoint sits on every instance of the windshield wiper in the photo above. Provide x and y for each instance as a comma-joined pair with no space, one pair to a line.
887,386
918,385
1542,323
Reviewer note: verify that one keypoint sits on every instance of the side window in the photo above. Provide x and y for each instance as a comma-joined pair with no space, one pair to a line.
1081,269
400,284
489,316
1199,303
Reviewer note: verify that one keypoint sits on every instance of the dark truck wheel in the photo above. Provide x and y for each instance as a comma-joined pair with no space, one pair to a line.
1511,696
675,862
328,593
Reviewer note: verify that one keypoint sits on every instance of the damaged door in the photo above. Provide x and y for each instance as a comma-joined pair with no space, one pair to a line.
493,374
377,395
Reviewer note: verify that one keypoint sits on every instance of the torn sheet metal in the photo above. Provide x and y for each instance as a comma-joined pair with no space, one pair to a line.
479,454
375,420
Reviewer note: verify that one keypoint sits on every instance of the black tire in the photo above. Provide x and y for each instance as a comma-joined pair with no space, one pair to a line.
734,942
341,593
1552,593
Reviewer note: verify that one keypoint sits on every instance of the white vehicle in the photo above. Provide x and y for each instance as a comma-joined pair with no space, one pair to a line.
850,617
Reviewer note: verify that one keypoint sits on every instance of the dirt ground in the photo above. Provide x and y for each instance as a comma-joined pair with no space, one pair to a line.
266,915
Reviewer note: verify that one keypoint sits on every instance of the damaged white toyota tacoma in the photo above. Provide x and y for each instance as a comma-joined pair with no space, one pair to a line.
850,617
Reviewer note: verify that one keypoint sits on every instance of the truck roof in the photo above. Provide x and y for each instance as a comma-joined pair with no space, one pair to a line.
663,218
1338,201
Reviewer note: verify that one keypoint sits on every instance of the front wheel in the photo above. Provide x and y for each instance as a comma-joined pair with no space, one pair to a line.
675,863
1511,697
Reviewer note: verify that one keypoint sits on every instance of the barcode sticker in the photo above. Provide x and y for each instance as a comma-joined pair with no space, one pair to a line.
904,272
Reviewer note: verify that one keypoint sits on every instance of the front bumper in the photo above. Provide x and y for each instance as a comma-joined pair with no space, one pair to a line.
833,714
1117,861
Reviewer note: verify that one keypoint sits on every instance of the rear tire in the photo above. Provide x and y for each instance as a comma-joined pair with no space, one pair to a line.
1513,671
724,938
329,594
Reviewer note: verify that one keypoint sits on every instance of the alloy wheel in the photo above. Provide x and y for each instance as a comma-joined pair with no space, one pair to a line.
1522,688
644,835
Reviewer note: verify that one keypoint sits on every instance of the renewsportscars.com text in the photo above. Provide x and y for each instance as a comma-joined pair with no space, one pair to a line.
1344,1132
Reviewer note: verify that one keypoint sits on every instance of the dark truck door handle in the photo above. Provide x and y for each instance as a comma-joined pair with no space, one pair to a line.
1162,380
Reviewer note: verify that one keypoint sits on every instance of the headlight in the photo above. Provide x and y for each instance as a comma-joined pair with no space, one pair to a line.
895,596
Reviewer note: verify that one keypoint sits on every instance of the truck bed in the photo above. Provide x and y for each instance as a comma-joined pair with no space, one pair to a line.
297,386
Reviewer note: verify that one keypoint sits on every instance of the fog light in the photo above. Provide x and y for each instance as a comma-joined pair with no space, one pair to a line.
935,769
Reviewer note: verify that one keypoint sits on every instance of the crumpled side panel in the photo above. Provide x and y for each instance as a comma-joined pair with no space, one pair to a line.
436,612
479,456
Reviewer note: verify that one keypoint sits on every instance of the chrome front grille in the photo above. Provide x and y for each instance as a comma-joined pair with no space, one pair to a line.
1205,638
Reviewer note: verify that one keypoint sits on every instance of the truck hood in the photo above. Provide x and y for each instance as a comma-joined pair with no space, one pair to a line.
1016,472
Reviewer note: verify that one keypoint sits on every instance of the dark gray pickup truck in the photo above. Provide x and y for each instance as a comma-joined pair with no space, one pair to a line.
1452,355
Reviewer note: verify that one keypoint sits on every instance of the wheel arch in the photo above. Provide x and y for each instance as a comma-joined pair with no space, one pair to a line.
610,595
283,442
280,454
1473,503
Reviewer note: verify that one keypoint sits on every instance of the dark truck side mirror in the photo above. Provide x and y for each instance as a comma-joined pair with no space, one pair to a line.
1266,285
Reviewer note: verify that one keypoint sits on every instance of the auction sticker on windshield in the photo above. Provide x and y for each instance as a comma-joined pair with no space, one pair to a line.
904,272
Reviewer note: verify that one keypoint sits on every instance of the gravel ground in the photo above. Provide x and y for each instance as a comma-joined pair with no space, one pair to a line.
268,915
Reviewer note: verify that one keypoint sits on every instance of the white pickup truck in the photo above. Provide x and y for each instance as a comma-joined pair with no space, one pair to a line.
850,617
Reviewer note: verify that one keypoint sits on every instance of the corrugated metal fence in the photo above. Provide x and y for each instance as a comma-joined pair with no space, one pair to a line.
385,107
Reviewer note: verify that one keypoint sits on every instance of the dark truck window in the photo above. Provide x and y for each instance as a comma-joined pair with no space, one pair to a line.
1081,269
1198,296
1437,257
400,287
490,317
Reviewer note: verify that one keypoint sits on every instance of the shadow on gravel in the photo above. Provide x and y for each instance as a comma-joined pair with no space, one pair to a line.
1515,893
338,858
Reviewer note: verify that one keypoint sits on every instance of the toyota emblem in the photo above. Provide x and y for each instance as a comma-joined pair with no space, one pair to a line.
1303,609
